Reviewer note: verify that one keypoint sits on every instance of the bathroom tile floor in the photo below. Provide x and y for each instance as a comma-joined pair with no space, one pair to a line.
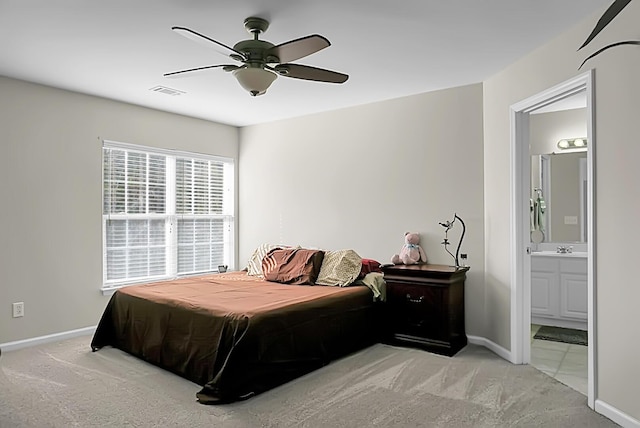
565,362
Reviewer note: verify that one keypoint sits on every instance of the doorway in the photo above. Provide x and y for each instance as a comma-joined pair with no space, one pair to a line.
520,221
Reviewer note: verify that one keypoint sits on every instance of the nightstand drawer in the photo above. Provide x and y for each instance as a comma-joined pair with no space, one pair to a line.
412,309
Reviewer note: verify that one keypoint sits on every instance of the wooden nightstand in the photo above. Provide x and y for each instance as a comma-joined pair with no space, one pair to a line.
426,306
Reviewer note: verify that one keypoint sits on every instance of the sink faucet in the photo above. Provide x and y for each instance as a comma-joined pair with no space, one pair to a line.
564,250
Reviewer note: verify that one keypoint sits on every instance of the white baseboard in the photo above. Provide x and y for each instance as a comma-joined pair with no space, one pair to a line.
499,350
616,415
19,344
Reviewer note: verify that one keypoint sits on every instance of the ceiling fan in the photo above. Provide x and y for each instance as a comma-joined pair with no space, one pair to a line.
262,61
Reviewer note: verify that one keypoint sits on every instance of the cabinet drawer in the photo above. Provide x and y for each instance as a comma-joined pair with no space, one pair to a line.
544,264
575,265
416,310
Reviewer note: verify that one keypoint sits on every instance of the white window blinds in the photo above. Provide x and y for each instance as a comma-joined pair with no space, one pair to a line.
164,214
201,209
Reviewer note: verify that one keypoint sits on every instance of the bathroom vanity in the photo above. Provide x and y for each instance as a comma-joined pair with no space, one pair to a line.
559,289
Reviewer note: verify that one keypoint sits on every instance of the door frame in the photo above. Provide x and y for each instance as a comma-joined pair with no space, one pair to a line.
519,222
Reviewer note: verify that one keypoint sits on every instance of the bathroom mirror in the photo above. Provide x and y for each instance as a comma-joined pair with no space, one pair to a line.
560,180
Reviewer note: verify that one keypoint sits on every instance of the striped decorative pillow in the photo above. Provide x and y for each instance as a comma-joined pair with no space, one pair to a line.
254,267
339,268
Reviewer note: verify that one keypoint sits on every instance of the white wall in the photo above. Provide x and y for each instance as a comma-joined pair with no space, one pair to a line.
50,188
361,177
617,91
546,129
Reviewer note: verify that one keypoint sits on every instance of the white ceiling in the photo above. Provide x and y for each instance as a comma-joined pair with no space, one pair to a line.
119,49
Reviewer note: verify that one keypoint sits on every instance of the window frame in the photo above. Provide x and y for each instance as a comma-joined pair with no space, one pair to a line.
170,215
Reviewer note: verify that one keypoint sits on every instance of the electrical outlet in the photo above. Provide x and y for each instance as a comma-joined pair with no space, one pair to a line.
570,219
18,309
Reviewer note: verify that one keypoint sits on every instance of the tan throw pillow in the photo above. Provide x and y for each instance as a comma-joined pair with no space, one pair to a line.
339,268
254,267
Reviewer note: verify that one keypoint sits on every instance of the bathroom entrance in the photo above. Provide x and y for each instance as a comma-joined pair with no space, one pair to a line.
552,233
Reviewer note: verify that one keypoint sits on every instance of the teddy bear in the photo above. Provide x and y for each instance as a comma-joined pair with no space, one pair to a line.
411,252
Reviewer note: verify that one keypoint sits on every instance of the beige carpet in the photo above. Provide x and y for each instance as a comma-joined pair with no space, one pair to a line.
66,385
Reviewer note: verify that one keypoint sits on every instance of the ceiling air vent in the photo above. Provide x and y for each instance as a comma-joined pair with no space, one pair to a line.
166,91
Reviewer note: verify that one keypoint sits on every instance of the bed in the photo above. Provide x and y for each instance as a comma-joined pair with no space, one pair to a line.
238,335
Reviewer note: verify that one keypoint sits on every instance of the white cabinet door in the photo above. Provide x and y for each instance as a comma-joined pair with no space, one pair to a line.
544,294
573,296
559,290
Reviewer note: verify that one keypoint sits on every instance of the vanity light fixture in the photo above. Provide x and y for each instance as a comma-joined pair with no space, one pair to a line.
572,143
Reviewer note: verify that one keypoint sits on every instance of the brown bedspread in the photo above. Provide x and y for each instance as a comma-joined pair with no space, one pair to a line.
234,334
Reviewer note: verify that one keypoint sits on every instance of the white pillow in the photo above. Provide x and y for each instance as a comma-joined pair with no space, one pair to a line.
254,267
339,268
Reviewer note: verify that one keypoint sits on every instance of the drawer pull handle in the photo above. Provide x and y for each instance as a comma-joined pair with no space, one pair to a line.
418,300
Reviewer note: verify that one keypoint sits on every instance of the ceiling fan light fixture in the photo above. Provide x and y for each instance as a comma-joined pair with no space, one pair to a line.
254,80
262,61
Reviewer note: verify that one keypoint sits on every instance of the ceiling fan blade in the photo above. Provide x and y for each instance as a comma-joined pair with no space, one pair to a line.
208,41
299,48
182,73
306,72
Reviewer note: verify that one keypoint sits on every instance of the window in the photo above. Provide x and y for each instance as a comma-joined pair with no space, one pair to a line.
165,214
